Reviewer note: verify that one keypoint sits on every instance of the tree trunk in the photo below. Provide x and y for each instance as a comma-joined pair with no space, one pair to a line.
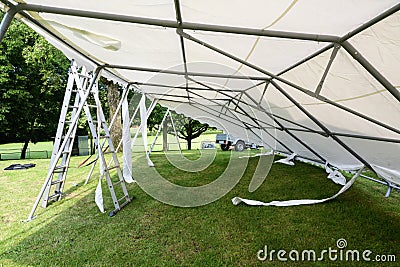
24,149
113,100
165,134
189,132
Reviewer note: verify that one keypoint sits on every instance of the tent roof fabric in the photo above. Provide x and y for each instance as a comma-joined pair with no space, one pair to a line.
317,78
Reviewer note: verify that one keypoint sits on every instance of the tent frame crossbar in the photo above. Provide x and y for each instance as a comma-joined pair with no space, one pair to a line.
298,105
257,123
180,26
19,8
171,24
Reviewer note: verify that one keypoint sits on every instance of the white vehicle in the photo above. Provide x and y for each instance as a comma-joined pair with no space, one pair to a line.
227,140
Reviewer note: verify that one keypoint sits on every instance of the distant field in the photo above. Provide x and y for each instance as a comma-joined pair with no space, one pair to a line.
43,149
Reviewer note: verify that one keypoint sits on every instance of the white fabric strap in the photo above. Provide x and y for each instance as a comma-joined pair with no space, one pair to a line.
143,118
287,203
335,175
288,160
126,140
98,196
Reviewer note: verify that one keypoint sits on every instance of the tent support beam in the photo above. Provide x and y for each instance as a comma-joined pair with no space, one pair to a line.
332,58
371,69
182,42
174,24
303,128
199,74
227,106
308,92
263,94
358,114
317,53
373,21
6,21
253,86
236,118
183,87
229,109
272,117
305,91
317,122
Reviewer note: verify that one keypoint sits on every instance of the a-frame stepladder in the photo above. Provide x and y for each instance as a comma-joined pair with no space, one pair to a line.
166,115
83,86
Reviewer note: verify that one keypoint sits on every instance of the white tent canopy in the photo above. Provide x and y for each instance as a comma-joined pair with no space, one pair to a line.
315,78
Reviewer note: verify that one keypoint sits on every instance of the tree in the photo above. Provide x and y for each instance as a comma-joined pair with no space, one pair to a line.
156,116
32,82
189,128
113,98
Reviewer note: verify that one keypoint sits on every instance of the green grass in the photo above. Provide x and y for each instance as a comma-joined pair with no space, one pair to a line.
72,232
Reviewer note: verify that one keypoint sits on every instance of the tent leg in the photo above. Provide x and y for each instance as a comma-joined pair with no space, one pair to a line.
158,132
176,134
389,190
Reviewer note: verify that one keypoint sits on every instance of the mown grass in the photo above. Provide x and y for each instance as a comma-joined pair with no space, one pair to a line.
73,232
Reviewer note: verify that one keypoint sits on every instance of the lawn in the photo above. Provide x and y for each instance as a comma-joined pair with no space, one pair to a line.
73,232
42,150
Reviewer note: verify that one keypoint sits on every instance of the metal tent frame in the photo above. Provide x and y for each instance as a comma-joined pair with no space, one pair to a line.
231,107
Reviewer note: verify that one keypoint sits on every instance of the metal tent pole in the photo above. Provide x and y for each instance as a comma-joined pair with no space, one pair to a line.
371,69
158,132
322,126
174,24
6,22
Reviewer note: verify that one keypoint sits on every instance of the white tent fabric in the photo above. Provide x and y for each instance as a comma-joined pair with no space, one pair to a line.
324,74
126,140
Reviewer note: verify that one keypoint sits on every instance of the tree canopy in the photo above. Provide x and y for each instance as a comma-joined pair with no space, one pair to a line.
187,128
32,82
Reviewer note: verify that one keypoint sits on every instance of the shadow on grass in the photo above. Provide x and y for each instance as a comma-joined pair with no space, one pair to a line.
150,233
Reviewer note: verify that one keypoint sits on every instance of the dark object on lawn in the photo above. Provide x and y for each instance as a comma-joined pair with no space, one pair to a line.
20,166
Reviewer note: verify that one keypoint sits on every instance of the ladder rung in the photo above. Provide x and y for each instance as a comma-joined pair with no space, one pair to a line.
125,203
56,194
57,182
92,106
113,167
104,136
84,75
72,106
124,197
117,183
59,169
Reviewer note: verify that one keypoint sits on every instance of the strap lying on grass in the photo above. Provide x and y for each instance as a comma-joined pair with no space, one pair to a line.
287,203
